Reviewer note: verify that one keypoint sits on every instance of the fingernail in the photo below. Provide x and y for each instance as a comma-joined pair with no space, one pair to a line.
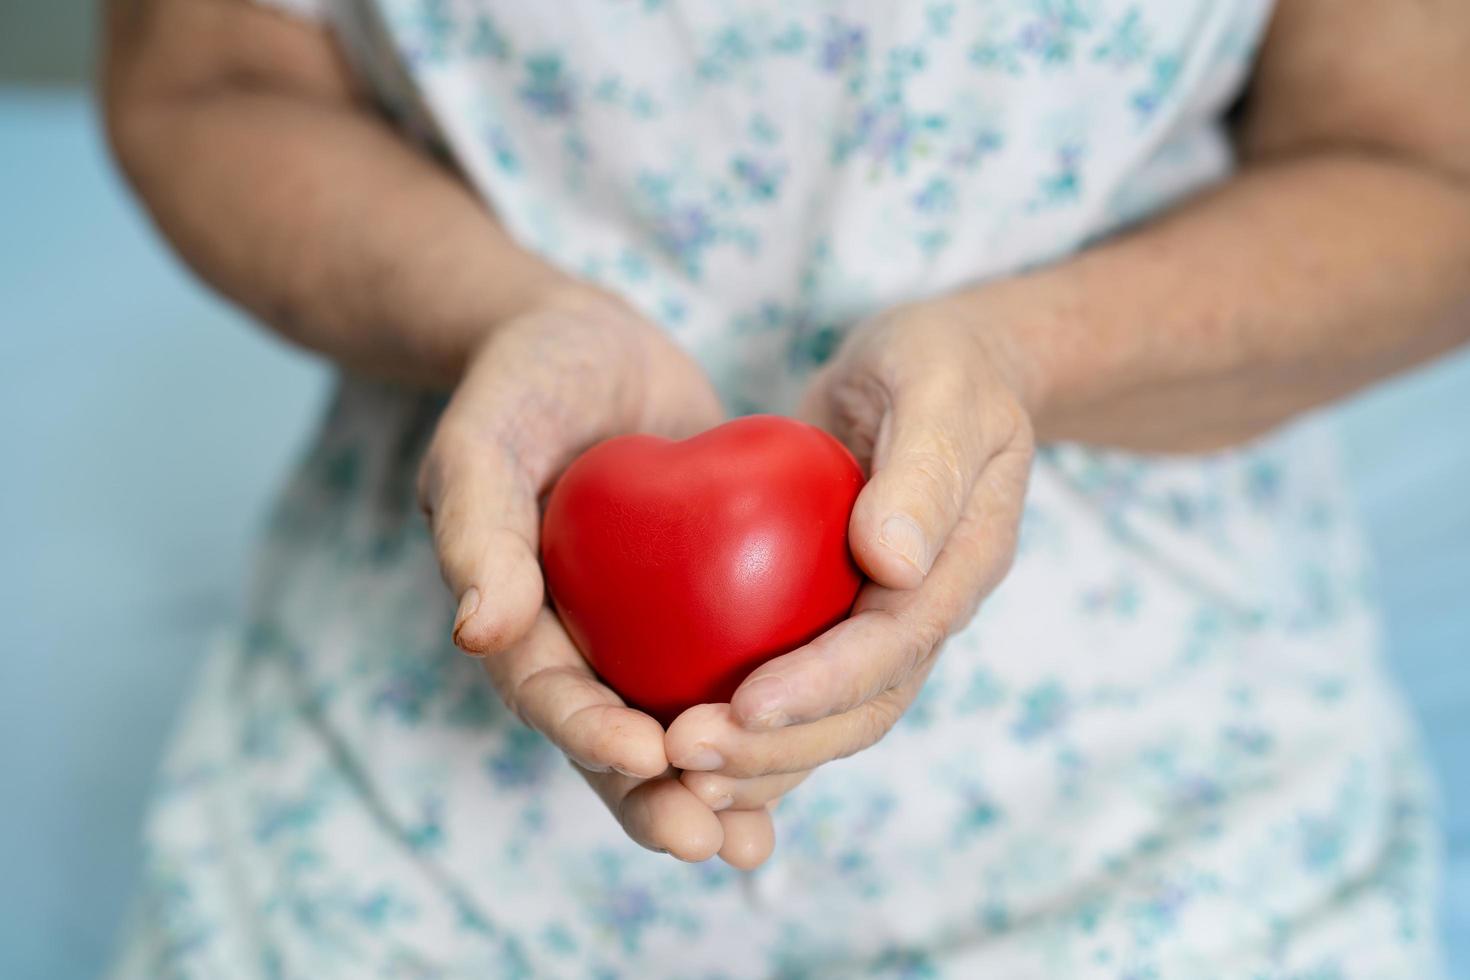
902,536
468,604
761,702
723,803
705,760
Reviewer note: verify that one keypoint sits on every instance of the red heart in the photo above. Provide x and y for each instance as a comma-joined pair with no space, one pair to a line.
678,567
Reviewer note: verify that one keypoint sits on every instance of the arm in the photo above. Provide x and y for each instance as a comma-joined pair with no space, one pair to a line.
271,175
274,178
1339,254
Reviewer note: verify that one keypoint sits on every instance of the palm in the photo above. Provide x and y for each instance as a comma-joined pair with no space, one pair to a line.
544,387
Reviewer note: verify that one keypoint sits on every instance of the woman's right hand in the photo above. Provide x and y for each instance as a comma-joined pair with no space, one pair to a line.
577,367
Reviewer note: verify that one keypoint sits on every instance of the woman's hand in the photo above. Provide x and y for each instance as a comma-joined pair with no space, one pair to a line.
933,404
577,367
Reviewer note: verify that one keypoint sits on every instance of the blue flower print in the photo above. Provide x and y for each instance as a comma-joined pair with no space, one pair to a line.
1048,34
1063,183
686,226
684,232
285,816
985,690
936,197
979,812
939,20
487,40
761,180
904,964
969,149
547,89
1051,34
1163,75
522,759
1127,42
413,682
620,906
1043,709
889,134
843,45
729,50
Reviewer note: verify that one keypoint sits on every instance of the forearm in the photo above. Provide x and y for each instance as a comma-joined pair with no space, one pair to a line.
247,141
1292,284
333,231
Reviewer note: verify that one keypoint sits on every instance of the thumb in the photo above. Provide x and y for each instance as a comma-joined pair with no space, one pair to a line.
928,452
535,395
478,486
482,511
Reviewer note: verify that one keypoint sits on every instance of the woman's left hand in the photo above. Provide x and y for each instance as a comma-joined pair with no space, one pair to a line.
933,404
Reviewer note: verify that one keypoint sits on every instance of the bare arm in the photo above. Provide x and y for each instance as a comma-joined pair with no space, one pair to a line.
278,182
280,185
1338,255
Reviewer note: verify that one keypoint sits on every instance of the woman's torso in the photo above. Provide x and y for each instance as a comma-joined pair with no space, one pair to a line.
759,176
1164,744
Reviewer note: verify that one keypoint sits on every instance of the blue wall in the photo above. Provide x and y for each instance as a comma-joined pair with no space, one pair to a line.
144,426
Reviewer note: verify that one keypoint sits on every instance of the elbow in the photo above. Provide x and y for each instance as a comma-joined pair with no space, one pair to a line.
142,135
127,98
124,126
158,58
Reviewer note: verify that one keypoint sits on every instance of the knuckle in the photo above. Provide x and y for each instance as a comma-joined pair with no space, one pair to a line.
925,637
950,384
1007,422
885,714
874,721
937,471
781,755
914,639
825,686
939,387
989,552
513,705
531,694
426,486
1003,562
450,544
597,735
783,759
630,812
705,785
431,479
442,468
701,717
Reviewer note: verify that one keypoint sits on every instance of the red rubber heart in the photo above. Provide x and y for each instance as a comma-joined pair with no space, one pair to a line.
678,567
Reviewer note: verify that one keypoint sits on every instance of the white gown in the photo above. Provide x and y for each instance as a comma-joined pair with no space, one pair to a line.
1164,749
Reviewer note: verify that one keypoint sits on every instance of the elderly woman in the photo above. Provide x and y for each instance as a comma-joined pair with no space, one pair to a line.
1057,271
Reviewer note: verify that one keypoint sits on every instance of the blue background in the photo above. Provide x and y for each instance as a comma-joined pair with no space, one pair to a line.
143,426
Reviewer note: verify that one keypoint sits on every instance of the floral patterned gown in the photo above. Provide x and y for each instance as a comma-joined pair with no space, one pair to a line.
1164,749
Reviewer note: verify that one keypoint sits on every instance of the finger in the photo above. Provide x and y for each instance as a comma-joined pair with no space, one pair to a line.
892,632
721,793
931,447
481,508
749,838
661,815
513,420
707,738
545,681
851,663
